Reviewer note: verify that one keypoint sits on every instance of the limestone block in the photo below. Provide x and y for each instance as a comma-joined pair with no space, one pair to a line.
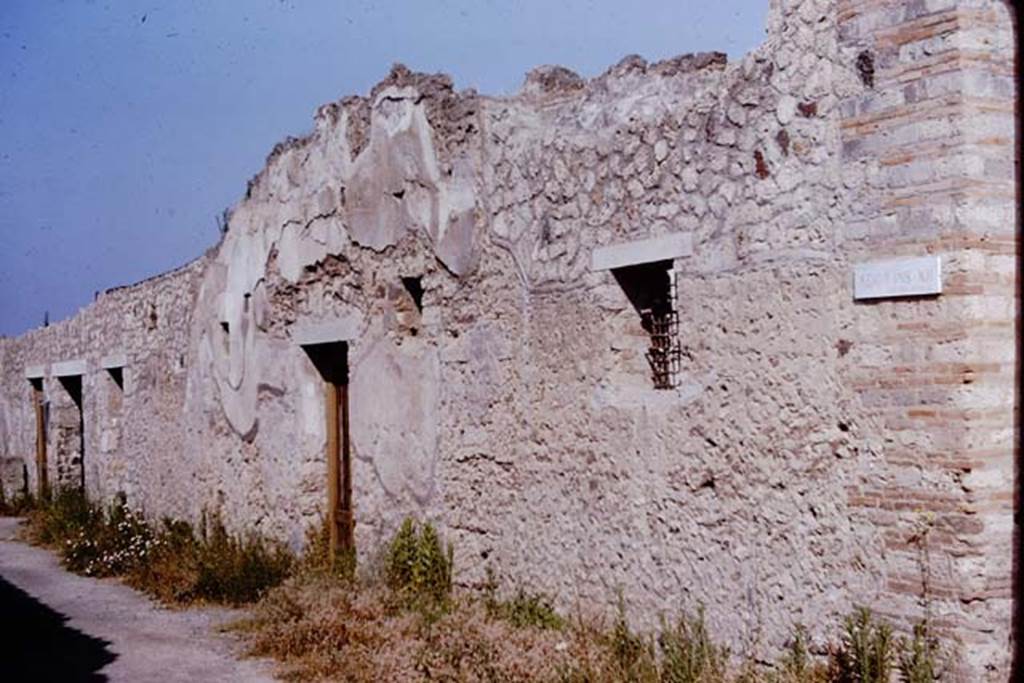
785,110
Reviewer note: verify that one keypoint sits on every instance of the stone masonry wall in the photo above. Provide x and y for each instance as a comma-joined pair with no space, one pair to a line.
149,323
817,453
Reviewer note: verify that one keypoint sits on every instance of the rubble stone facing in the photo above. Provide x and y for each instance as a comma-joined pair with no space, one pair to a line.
818,453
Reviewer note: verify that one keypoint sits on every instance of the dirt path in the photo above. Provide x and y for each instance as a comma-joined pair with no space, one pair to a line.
59,626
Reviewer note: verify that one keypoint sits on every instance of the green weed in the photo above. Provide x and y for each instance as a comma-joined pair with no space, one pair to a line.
316,557
632,653
688,654
919,657
63,517
525,610
865,654
417,568
211,566
169,561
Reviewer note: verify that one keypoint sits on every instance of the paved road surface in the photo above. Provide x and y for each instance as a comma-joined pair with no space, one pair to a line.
55,626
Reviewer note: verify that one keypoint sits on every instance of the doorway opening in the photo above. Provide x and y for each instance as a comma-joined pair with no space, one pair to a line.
39,406
73,385
331,361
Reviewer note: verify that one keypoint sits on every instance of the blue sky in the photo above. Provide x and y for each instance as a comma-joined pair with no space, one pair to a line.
128,126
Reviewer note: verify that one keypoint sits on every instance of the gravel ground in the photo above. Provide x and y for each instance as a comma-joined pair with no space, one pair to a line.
59,626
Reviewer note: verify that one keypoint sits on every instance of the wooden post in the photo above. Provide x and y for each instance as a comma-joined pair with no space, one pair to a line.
37,400
347,523
333,447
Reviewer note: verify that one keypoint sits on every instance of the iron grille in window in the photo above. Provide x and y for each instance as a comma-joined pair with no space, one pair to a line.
651,288
664,354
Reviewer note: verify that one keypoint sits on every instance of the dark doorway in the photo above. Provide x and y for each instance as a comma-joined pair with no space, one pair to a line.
331,361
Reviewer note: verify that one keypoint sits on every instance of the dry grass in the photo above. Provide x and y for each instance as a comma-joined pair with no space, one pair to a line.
403,622
324,629
211,566
321,628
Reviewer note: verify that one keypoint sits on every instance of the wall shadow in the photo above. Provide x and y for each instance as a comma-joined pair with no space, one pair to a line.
37,645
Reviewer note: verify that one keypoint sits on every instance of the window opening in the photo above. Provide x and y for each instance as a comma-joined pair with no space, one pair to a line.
225,337
117,374
651,289
414,285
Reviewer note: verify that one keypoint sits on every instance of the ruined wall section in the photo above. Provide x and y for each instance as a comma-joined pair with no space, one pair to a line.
134,435
520,412
516,408
384,188
565,469
13,475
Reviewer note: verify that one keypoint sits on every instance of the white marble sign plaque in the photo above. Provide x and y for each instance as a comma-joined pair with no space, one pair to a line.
900,277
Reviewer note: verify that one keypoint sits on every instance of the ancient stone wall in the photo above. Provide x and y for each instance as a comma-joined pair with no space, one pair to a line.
133,434
813,452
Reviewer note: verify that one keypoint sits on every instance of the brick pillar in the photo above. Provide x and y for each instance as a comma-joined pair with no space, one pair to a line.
929,156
